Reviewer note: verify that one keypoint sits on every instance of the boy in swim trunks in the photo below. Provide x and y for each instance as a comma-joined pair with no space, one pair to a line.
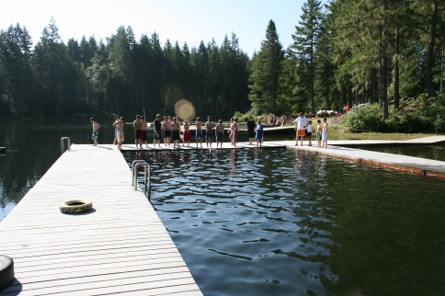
95,134
198,134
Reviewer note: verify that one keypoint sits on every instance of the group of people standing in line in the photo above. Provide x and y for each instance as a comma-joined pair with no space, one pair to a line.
304,128
171,130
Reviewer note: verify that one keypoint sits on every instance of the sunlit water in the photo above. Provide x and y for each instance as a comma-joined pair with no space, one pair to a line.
282,222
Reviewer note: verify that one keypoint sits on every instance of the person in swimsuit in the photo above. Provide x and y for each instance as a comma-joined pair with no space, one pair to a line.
167,128
144,125
176,129
137,125
232,132
119,125
95,134
219,133
259,133
324,133
209,132
198,132
157,131
318,133
250,130
187,135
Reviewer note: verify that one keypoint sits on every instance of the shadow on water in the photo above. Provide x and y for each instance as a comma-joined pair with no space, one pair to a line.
278,222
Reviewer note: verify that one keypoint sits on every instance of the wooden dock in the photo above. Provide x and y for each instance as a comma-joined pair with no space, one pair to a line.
339,149
121,247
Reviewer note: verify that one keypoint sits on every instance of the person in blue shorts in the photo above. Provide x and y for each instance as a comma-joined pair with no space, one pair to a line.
259,133
95,134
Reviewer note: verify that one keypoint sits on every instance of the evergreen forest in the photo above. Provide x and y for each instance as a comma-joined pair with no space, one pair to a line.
389,53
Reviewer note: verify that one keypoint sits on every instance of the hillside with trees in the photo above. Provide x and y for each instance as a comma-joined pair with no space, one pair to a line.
344,53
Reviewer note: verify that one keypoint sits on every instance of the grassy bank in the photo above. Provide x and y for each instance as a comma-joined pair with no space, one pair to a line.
340,132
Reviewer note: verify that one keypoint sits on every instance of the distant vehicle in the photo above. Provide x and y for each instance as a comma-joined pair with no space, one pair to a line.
326,113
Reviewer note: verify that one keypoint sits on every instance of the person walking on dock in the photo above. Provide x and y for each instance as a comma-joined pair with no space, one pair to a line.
95,134
119,125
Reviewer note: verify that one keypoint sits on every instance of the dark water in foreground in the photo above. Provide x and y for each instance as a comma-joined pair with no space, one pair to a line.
278,222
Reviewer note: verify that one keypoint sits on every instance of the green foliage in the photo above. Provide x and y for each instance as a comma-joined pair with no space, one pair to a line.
366,118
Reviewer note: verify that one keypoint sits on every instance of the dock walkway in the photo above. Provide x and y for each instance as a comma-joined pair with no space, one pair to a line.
338,149
121,247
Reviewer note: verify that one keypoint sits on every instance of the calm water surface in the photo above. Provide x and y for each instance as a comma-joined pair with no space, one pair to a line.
282,222
435,152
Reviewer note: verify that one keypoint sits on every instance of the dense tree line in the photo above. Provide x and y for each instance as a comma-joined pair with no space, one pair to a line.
344,52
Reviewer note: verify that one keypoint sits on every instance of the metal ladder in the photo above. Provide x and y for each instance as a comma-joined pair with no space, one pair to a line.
147,176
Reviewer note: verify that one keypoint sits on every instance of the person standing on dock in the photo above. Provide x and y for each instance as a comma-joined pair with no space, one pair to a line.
186,136
219,133
144,125
324,133
167,128
95,134
119,126
157,131
259,133
176,131
309,131
209,132
250,130
301,123
318,133
198,134
232,132
137,125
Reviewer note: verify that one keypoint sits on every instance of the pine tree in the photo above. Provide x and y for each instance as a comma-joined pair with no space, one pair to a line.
304,47
266,69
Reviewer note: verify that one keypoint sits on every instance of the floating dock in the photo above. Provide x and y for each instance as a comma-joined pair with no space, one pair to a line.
121,247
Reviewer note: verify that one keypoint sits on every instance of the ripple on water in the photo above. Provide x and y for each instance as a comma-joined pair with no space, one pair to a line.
290,223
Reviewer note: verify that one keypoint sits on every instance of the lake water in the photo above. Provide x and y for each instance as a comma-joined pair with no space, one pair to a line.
283,222
435,152
270,222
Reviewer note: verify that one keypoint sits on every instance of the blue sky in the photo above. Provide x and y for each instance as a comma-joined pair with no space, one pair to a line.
178,20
